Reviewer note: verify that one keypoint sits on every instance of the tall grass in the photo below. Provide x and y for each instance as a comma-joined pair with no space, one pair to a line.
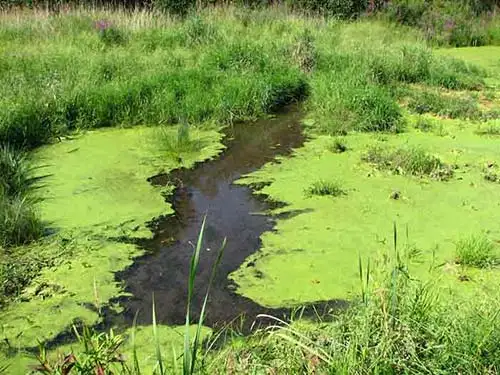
19,222
88,69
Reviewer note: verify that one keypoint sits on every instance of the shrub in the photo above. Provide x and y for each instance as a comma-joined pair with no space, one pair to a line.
476,251
324,188
412,161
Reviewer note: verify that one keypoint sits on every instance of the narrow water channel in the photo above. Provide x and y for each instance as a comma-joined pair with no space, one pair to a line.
232,212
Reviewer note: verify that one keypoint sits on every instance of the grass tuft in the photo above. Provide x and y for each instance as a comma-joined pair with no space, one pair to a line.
338,146
412,161
476,251
449,106
325,188
178,143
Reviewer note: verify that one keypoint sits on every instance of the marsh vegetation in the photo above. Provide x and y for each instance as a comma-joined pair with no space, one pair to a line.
98,105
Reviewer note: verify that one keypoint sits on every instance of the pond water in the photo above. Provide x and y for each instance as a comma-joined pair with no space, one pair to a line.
232,212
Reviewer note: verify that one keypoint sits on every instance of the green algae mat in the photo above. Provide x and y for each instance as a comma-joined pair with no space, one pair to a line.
95,191
314,255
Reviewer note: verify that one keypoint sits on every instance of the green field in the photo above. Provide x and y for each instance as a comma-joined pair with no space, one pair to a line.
401,137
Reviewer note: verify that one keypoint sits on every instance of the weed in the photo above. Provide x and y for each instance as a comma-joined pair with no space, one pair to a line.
304,52
398,324
16,174
323,188
19,222
109,34
476,251
178,143
446,106
412,161
491,129
338,146
424,124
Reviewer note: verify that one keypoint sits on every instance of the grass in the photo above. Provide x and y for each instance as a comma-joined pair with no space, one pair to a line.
19,221
325,188
444,105
179,143
338,146
412,161
101,352
489,129
476,251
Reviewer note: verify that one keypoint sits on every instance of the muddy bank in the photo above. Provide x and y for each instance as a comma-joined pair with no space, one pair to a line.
232,212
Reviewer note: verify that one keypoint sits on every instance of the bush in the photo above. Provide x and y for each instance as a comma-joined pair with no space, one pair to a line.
476,251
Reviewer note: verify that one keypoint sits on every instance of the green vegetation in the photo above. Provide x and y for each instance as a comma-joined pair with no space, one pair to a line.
19,222
445,106
75,198
476,251
439,336
410,161
338,146
323,188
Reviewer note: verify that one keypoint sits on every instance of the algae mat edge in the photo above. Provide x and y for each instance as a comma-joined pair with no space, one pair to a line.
96,189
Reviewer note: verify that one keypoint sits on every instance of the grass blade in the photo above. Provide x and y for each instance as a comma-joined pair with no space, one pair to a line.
186,368
202,314
157,341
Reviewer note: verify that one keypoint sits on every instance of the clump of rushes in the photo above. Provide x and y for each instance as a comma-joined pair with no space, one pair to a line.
491,172
325,188
413,161
476,251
